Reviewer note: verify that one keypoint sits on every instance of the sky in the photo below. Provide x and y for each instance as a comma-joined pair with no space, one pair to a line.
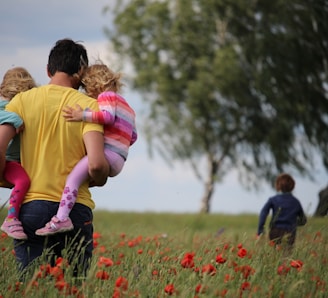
29,29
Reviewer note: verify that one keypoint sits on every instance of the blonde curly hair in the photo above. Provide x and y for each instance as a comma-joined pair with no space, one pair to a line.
16,80
99,78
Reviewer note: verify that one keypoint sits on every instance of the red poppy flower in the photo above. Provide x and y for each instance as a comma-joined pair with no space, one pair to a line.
101,249
242,252
102,274
34,284
75,291
44,270
223,293
220,259
297,264
18,285
172,270
57,272
188,260
200,289
283,269
155,273
169,289
61,285
135,241
272,243
61,262
227,277
107,262
117,294
318,234
166,258
96,235
246,271
209,269
121,283
245,286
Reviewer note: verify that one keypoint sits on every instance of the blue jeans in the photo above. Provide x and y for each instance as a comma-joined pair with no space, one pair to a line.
35,215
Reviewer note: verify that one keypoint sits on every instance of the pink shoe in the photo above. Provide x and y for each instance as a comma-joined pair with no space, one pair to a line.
55,226
13,228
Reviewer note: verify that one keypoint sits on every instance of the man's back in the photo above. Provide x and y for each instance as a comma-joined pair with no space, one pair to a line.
52,146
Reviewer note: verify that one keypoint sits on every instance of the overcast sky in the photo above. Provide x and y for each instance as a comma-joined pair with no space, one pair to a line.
28,31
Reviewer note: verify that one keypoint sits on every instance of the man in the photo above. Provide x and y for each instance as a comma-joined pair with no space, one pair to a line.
50,148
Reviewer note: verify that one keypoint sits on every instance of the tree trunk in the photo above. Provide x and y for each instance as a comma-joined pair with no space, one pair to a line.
322,208
206,200
209,186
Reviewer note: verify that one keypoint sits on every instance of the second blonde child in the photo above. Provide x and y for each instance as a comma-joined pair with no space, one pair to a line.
120,133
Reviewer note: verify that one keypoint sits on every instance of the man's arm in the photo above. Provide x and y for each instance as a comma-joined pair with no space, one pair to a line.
7,132
98,165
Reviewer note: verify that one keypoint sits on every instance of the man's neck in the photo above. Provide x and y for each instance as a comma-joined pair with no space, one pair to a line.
64,80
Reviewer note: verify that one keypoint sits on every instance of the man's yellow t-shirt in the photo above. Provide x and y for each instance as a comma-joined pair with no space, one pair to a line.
51,146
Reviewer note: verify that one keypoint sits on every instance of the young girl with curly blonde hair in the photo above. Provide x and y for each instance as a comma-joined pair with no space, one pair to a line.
118,118
15,80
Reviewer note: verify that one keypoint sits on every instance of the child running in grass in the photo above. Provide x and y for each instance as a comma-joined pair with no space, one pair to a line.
120,133
15,80
287,212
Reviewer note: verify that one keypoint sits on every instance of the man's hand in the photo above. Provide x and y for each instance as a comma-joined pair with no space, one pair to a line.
71,114
92,183
5,184
20,128
98,165
7,132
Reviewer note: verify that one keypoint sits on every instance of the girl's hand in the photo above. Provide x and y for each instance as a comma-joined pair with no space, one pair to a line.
71,114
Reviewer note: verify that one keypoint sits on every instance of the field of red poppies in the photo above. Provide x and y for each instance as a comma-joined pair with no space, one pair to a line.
181,255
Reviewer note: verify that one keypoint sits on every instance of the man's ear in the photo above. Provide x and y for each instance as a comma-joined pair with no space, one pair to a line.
48,73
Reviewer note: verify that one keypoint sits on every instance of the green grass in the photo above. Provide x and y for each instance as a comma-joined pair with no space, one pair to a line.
147,249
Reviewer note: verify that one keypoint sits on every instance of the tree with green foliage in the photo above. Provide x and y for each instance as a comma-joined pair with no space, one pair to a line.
230,84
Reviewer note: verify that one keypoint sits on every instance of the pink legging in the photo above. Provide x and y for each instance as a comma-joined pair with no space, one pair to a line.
79,174
16,175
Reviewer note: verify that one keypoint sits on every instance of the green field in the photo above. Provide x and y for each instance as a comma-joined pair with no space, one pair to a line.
182,255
